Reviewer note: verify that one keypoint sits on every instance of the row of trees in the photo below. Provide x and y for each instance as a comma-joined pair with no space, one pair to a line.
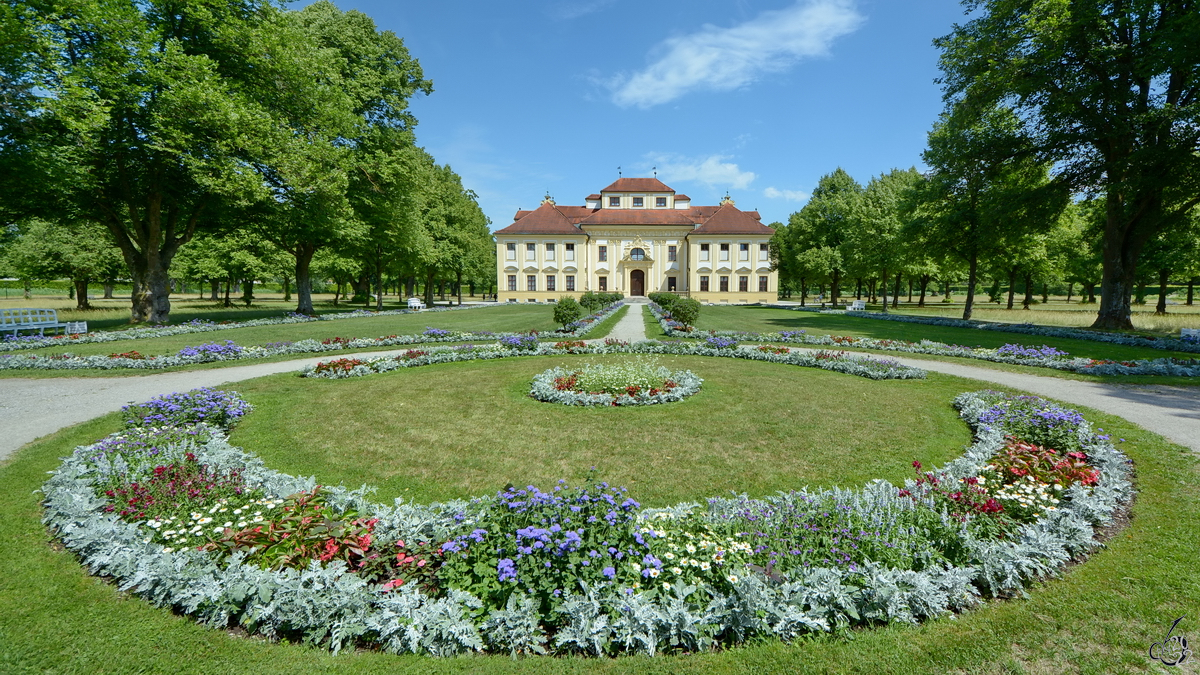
220,137
907,230
1062,119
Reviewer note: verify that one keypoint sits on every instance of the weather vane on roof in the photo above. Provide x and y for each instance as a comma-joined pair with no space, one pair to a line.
655,170
618,172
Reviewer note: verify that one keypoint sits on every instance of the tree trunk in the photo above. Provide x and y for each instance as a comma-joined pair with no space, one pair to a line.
858,288
1090,293
215,290
1161,308
410,286
28,289
228,286
972,274
378,278
287,288
924,281
803,292
883,289
248,291
1028,299
1070,288
946,297
896,293
71,292
1191,288
458,284
1012,283
108,290
429,274
910,289
337,293
303,253
81,291
1045,293
833,288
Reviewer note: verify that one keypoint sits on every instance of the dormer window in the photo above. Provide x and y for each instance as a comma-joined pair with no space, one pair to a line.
637,202
660,202
614,201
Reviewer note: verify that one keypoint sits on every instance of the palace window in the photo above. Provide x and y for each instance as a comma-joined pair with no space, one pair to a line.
671,253
743,251
602,252
637,202
703,252
531,251
704,284
549,251
762,284
660,202
671,284
571,282
764,252
724,252
637,254
512,282
550,282
743,283
603,283
570,252
510,251
614,201
531,282
724,284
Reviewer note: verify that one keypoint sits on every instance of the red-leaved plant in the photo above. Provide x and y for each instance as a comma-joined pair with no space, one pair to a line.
336,365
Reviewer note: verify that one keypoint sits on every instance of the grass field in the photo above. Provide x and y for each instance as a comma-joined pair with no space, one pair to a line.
445,431
515,317
764,319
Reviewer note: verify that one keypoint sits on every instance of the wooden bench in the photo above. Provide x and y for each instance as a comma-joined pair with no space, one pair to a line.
416,303
13,320
858,306
1189,333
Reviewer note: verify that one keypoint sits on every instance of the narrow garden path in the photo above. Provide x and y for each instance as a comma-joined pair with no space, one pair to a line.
632,327
31,408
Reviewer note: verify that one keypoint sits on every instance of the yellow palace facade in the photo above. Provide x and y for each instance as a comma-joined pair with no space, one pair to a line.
636,236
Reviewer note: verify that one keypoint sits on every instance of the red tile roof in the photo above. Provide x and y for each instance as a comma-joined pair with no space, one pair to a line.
547,219
592,197
682,198
729,220
641,217
637,185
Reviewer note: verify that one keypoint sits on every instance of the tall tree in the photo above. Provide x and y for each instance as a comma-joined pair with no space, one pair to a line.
984,191
1107,91
877,238
826,223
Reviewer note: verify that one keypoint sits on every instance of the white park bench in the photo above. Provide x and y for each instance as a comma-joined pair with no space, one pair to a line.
1192,333
416,303
858,306
13,320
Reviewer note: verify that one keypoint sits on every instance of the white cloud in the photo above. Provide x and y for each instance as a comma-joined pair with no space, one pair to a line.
789,195
713,171
721,59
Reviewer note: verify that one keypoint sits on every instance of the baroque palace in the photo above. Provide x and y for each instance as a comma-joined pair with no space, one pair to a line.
636,237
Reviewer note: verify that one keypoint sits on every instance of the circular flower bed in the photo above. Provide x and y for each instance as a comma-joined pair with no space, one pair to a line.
636,382
176,515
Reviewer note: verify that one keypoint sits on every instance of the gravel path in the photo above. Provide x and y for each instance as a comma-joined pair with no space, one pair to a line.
31,408
632,326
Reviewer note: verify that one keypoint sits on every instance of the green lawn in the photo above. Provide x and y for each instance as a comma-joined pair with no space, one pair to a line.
766,319
429,441
515,317
1100,618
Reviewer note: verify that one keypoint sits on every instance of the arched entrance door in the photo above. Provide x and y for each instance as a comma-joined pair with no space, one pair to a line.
637,282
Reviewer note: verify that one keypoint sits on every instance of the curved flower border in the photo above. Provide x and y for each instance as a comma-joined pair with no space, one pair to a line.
851,364
229,351
543,389
1054,359
327,605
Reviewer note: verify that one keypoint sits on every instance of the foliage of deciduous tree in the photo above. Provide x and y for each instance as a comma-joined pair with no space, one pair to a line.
824,226
79,251
1109,92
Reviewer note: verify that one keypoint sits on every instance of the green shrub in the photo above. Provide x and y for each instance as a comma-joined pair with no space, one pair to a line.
664,300
567,311
685,311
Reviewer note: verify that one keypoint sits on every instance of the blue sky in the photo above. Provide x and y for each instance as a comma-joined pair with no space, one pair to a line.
757,97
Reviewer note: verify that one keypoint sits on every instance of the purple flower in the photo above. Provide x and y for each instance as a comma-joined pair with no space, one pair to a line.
609,572
506,569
